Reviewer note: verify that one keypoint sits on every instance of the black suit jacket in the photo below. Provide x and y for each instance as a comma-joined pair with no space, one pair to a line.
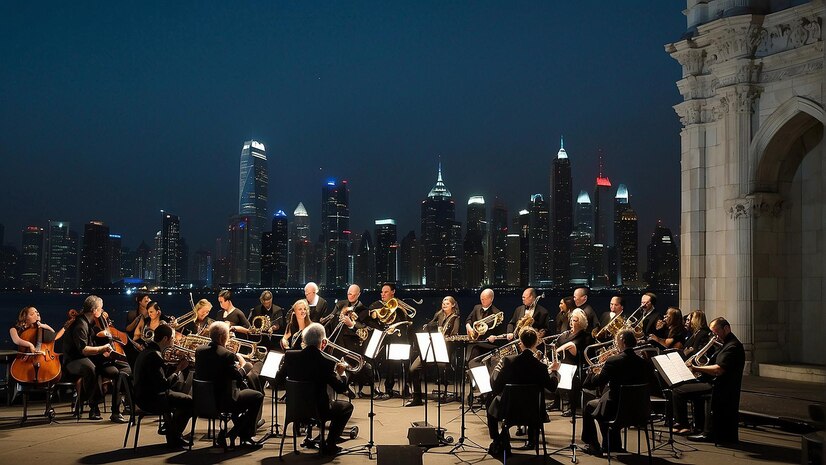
593,320
277,315
308,365
620,370
347,337
318,311
540,318
649,322
522,368
151,381
217,364
477,314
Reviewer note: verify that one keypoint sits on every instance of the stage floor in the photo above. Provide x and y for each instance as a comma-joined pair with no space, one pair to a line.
89,442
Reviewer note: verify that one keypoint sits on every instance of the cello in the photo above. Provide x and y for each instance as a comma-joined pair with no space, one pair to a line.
107,334
39,367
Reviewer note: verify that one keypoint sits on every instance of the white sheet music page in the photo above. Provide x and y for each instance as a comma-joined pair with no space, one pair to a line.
672,367
482,378
566,376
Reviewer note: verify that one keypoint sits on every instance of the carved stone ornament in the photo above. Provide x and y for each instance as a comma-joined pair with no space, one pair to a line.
755,205
746,99
737,42
796,70
692,61
799,32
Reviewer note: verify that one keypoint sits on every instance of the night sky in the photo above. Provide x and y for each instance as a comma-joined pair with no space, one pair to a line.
116,110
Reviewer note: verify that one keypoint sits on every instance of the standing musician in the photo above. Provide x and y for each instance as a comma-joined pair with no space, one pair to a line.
200,325
352,333
155,391
388,291
700,334
529,308
481,310
446,321
311,366
318,306
562,320
134,317
670,332
650,316
581,301
719,417
571,349
85,359
298,322
234,317
145,328
213,362
625,368
522,368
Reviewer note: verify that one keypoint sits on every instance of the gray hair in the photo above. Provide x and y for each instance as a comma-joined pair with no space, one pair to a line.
312,286
91,303
218,332
313,335
488,291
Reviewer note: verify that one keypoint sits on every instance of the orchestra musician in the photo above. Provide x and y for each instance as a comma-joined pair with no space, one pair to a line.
309,365
529,308
718,417
388,291
699,331
134,317
318,306
615,309
238,323
650,316
28,318
566,306
298,322
625,368
446,321
481,310
352,332
149,324
581,301
522,368
571,349
85,358
278,320
670,331
213,362
155,391
200,325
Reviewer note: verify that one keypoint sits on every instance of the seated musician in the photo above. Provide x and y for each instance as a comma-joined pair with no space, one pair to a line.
353,333
522,368
274,313
310,365
157,392
28,318
538,315
719,417
238,323
616,308
571,349
387,367
213,362
134,317
85,358
299,320
484,308
200,325
446,321
562,320
147,326
670,332
625,368
699,331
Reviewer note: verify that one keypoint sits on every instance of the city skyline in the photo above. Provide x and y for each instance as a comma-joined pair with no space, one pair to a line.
484,88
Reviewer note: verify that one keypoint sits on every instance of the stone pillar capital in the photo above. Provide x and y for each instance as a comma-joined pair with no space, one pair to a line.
755,205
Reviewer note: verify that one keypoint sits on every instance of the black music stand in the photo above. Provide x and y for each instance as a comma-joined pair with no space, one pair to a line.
671,372
373,348
433,349
401,353
482,379
272,364
567,380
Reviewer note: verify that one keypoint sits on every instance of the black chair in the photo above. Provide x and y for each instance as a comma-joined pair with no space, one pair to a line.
633,410
302,407
125,381
524,404
205,405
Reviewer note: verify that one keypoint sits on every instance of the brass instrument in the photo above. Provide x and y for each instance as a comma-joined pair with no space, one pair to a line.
362,333
480,327
246,349
260,324
184,319
148,334
602,350
613,327
394,328
448,323
192,342
387,313
700,359
527,320
634,322
353,360
172,355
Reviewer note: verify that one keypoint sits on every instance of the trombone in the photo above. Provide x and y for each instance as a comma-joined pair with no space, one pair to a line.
353,360
246,349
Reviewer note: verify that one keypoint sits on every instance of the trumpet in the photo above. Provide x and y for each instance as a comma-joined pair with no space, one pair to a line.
353,360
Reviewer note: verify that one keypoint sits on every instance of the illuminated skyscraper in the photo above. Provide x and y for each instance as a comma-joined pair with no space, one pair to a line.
475,244
274,252
663,260
170,250
32,255
252,203
539,243
499,243
522,226
441,236
386,255
61,256
301,249
410,260
626,236
561,215
582,241
335,221
115,258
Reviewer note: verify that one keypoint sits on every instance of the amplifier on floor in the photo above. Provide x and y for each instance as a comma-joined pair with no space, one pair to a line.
422,434
399,455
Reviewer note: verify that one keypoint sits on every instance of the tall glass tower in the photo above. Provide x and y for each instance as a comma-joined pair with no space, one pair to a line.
440,237
94,261
301,247
335,220
252,202
387,263
32,254
626,237
561,215
476,244
539,243
582,241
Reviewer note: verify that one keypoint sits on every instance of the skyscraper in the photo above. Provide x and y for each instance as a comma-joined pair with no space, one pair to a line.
280,244
170,250
440,238
201,274
386,255
522,225
364,266
603,233
513,256
582,241
626,236
410,260
115,258
663,260
240,234
61,256
561,215
539,243
143,261
301,250
475,244
33,257
252,203
499,243
335,220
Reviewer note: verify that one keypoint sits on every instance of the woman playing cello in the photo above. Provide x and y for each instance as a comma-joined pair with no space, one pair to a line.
36,361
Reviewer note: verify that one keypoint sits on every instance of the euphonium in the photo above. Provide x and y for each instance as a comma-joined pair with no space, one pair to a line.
260,324
482,326
175,353
700,359
353,360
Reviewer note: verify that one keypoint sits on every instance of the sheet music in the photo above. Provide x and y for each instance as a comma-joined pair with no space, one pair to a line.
373,345
439,351
672,368
481,378
566,376
272,364
398,352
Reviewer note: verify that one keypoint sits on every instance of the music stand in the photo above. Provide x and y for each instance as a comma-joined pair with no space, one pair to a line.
481,377
566,382
272,364
371,351
671,372
400,353
433,349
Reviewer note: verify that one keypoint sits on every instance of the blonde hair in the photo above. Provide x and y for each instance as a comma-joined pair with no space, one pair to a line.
583,320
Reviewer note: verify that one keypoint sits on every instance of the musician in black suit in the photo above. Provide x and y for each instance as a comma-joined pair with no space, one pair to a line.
309,365
213,362
581,301
522,368
482,310
86,358
276,314
387,367
200,324
625,368
318,306
650,316
350,331
155,391
616,308
529,307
